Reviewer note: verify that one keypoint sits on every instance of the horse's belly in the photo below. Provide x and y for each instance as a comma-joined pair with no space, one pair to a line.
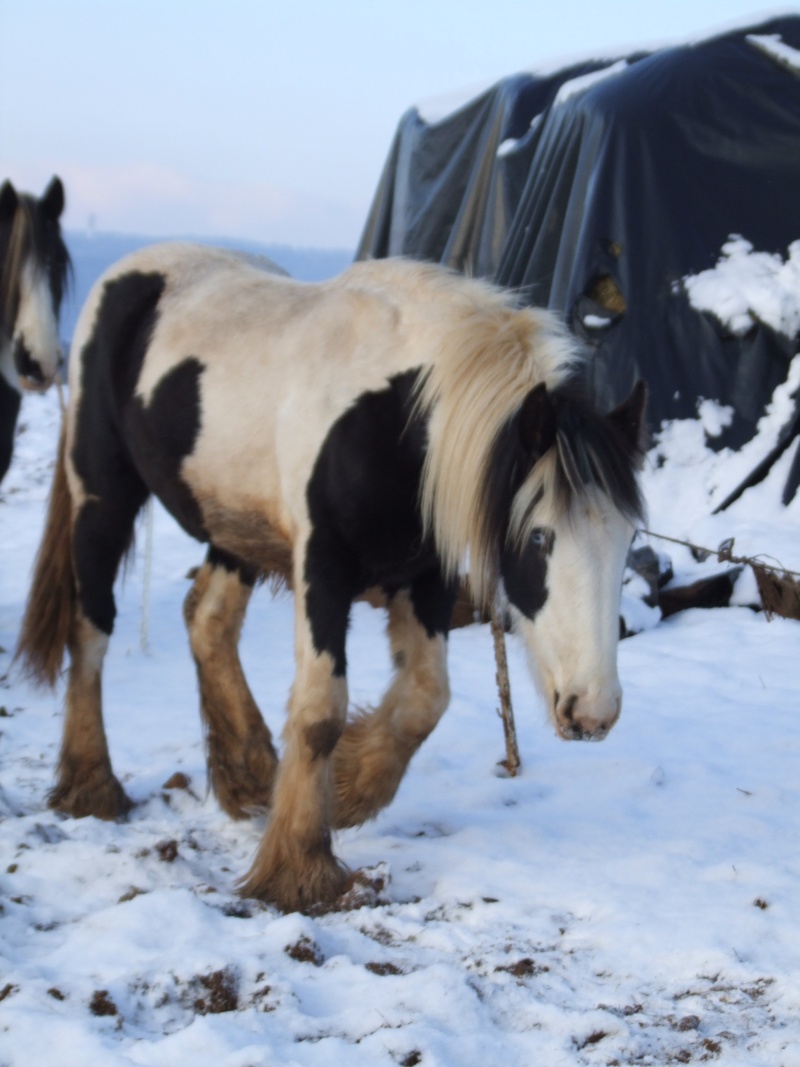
250,536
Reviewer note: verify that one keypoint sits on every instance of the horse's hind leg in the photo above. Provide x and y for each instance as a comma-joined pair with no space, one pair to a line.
85,782
241,758
376,747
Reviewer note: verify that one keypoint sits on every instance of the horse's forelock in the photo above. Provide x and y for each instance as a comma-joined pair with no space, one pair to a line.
590,459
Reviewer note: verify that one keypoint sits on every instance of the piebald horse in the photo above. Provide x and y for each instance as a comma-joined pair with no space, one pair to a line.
34,266
381,429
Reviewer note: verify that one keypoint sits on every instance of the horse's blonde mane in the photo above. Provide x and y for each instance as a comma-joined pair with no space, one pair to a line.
491,354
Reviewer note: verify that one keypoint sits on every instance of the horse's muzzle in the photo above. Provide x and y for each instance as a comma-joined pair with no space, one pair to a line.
578,717
30,374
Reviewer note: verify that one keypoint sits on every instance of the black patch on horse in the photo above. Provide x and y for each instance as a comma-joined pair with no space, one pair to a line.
218,557
524,573
363,500
162,433
111,360
515,451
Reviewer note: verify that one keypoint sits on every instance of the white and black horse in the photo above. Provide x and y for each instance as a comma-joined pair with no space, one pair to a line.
34,266
376,430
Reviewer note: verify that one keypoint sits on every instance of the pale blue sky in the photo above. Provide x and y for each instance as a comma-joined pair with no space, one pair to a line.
269,120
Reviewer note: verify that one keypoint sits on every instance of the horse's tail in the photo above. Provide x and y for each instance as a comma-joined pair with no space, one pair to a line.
51,606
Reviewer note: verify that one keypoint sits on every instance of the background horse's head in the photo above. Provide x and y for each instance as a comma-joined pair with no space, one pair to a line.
34,265
570,528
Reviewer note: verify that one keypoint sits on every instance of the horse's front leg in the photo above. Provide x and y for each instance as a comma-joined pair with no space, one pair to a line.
295,867
376,747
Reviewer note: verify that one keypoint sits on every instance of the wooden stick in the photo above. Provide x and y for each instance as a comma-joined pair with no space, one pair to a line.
512,762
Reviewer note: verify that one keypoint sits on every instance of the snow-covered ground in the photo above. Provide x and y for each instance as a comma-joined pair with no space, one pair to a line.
633,902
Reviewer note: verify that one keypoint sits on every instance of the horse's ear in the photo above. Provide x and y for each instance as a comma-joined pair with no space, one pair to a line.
53,199
628,417
8,201
537,423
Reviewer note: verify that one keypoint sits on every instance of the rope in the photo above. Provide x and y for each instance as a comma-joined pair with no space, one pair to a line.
778,587
725,554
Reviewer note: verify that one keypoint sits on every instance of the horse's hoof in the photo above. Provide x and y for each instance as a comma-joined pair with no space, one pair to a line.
241,793
242,776
104,799
296,881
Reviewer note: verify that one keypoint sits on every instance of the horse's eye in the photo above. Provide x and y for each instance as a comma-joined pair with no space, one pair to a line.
539,538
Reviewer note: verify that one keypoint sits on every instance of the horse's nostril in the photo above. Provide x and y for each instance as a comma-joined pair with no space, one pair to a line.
568,711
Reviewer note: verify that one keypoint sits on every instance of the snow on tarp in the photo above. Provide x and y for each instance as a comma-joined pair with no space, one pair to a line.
600,201
747,288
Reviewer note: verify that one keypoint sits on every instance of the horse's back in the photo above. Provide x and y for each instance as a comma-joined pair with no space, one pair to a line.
225,373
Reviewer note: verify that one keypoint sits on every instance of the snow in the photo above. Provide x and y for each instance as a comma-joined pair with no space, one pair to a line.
774,45
634,901
747,286
597,322
576,86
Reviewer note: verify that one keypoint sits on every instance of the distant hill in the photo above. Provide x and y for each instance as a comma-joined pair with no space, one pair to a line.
93,253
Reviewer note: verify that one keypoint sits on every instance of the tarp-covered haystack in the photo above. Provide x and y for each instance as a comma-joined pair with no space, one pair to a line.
606,190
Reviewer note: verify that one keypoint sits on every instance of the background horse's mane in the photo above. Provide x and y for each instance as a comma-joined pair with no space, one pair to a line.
491,356
27,234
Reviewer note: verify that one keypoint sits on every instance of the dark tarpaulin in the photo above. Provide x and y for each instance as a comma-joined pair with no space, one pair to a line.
598,204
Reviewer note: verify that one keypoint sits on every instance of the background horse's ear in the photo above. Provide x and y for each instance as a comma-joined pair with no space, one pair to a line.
53,199
628,417
8,201
537,422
